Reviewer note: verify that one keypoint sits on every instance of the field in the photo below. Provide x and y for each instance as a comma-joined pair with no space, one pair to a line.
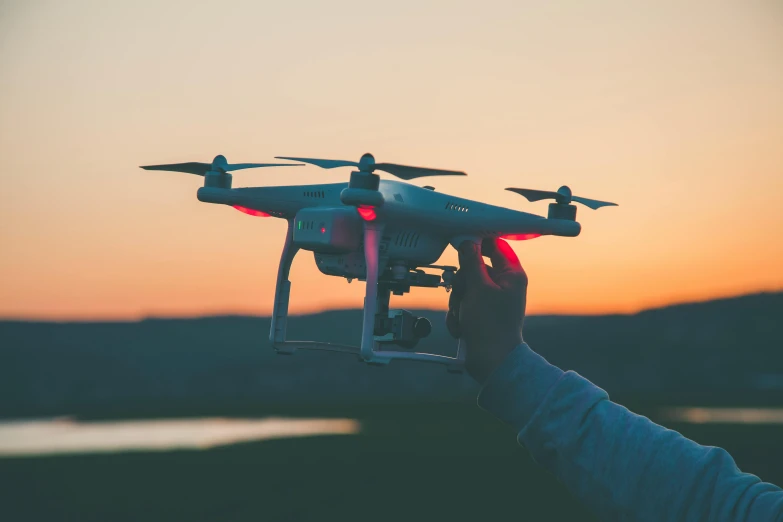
410,462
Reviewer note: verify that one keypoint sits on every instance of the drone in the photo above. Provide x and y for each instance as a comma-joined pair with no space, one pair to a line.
384,232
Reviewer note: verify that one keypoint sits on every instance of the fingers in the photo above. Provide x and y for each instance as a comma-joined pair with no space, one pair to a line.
472,265
457,289
476,280
501,254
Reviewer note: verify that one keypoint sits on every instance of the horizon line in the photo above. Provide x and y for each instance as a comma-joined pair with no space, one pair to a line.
9,319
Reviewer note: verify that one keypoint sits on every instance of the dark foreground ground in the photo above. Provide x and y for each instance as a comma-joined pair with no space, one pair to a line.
426,462
426,452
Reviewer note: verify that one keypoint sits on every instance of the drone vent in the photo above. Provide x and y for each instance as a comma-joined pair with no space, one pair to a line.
456,207
314,194
407,239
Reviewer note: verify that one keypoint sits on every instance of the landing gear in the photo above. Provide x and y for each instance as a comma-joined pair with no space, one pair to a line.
382,329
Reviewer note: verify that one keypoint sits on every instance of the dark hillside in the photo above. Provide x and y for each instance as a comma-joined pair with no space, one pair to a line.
726,351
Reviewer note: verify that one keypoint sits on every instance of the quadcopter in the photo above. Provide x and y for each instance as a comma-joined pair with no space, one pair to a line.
384,232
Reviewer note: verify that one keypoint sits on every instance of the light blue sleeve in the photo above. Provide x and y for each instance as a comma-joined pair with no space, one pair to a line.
621,465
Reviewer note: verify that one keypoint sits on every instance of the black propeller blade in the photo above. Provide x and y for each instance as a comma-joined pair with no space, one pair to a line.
563,196
367,164
219,164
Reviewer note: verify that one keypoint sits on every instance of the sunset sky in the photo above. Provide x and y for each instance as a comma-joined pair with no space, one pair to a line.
672,109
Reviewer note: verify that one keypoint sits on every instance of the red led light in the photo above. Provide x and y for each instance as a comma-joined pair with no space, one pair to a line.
251,212
367,212
520,237
323,230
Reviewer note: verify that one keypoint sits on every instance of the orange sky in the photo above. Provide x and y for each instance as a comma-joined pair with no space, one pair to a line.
672,109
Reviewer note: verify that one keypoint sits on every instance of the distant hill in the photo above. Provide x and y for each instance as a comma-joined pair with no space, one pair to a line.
727,351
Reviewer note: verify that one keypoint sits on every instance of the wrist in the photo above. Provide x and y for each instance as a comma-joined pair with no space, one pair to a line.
516,389
483,358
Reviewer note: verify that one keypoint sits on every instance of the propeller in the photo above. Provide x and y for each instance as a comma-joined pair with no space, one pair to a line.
219,165
562,196
367,165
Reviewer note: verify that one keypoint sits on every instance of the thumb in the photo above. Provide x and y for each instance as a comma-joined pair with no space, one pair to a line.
471,263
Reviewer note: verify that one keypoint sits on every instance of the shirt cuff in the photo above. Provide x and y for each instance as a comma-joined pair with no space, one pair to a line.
518,386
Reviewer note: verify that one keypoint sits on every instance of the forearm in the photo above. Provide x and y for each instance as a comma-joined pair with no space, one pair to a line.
622,465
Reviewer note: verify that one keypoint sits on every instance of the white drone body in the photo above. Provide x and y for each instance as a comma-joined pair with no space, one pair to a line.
382,232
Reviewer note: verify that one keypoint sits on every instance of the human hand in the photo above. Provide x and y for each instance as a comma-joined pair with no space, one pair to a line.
487,305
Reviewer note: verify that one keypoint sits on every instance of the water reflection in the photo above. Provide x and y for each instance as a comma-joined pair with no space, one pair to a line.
64,435
725,415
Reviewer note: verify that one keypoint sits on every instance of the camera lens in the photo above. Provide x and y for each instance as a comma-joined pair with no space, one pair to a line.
422,327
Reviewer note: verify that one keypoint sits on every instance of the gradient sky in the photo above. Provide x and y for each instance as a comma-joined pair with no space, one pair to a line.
672,109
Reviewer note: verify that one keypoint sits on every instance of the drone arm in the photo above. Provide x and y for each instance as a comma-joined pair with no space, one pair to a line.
281,202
